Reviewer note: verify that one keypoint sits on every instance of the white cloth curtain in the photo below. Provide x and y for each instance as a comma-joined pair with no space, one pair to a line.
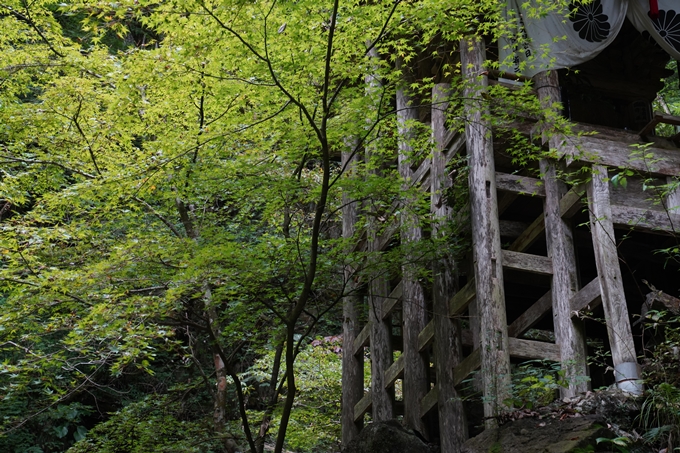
559,39
665,29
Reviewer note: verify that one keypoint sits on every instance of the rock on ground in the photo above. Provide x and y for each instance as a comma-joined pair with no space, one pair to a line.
534,435
387,437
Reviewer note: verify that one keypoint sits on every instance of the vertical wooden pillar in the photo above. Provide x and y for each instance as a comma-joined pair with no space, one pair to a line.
352,366
569,332
673,197
379,289
608,270
447,341
413,298
485,232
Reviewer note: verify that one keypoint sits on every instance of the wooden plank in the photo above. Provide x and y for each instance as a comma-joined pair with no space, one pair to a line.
467,366
651,221
430,401
530,349
362,340
522,185
392,300
426,336
363,406
530,235
462,298
531,316
659,118
527,262
394,372
599,151
608,270
588,296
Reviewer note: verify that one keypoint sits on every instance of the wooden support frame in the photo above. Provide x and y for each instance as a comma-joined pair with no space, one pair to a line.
609,272
444,329
569,332
495,359
413,297
352,364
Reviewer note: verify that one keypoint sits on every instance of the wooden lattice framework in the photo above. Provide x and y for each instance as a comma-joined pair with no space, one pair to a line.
437,337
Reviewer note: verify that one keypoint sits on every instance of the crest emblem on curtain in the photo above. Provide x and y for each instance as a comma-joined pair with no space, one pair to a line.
664,29
560,38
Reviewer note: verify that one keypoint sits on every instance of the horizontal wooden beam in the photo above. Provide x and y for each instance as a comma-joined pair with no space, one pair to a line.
589,295
363,406
522,185
391,301
530,349
462,298
535,264
594,150
394,372
362,339
429,401
531,316
659,118
648,220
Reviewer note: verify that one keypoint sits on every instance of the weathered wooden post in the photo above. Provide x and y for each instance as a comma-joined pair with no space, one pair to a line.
495,359
611,283
447,341
413,297
352,365
569,332
379,290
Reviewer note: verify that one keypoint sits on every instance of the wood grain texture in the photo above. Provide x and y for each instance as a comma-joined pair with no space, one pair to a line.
569,332
608,270
446,331
527,262
352,364
521,185
485,232
586,297
413,298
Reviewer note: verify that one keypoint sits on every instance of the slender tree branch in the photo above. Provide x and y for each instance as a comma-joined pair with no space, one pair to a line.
159,216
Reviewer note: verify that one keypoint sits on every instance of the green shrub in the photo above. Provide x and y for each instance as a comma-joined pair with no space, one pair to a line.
155,424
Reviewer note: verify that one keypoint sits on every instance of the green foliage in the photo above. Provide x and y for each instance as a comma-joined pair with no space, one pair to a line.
156,423
534,384
55,429
315,421
618,444
170,190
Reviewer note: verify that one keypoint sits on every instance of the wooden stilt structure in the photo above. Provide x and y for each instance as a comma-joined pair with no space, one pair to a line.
544,254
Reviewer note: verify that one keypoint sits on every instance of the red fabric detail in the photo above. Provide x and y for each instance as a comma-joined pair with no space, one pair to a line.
653,9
